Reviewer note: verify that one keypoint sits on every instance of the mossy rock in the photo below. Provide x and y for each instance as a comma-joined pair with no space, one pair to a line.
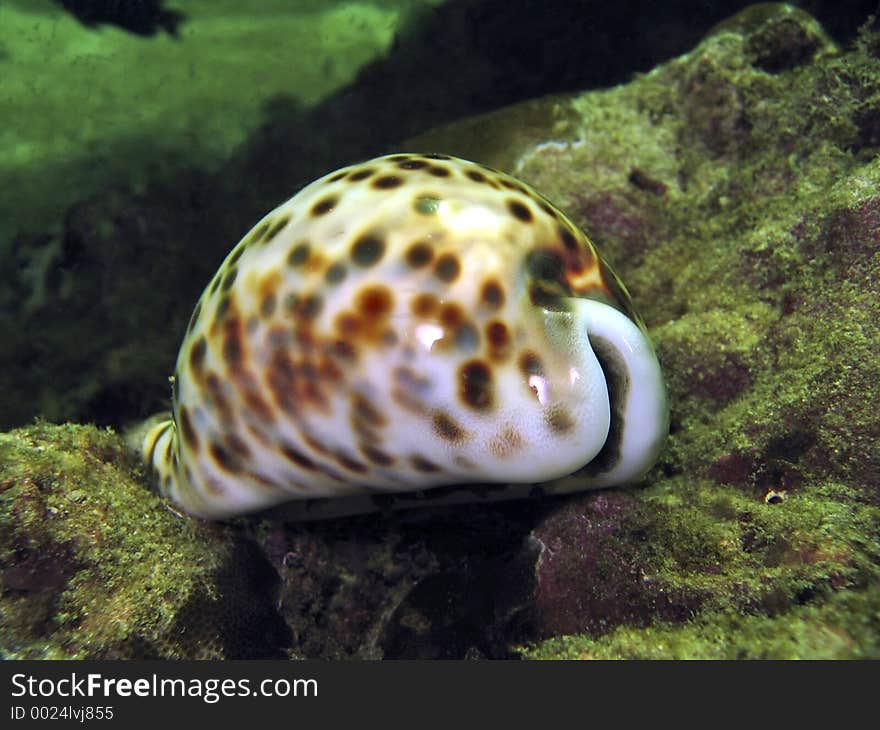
93,566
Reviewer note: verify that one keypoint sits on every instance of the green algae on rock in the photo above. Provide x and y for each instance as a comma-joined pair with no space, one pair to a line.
93,566
844,627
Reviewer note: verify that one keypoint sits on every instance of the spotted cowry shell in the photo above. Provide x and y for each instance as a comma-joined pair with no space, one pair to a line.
413,321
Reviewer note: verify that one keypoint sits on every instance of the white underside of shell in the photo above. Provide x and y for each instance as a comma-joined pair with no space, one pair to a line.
643,409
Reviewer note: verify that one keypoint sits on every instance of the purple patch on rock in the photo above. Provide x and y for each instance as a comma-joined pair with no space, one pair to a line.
591,576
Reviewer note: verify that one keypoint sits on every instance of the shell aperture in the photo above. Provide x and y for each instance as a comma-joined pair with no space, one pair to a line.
410,322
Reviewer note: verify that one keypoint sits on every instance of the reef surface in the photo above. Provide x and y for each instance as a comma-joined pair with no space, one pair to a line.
735,190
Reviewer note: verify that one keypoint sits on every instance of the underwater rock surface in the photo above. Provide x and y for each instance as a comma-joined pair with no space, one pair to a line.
736,190
93,566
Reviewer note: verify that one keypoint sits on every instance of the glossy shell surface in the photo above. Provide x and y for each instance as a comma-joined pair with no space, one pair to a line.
409,322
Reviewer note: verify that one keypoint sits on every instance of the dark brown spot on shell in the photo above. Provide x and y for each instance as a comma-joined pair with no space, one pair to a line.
492,294
361,174
293,454
363,410
347,324
548,209
233,346
256,235
375,302
218,398
190,437
447,267
520,211
408,164
267,306
343,350
256,404
236,255
569,240
476,387
452,315
420,463
559,419
507,443
299,254
513,185
276,228
438,171
476,176
547,294
281,379
329,371
530,364
410,380
197,354
335,273
349,463
220,312
315,445
419,254
446,427
337,177
544,264
408,401
364,432
305,338
424,305
324,206
229,278
265,481
213,487
387,182
376,455
498,337
307,307
237,446
367,250
225,459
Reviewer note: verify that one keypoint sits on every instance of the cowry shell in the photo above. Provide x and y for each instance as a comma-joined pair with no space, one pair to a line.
411,322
